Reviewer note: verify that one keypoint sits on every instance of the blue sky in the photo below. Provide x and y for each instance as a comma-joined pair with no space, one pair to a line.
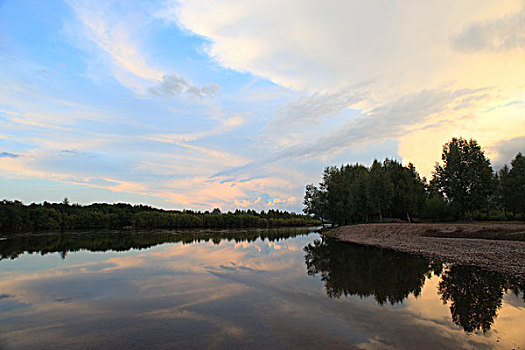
236,104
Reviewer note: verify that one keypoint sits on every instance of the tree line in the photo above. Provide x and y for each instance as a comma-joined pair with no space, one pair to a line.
463,186
17,217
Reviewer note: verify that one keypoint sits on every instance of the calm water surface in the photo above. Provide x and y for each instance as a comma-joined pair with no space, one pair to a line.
255,289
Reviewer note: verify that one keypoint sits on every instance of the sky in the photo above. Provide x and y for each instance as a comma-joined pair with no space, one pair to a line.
239,104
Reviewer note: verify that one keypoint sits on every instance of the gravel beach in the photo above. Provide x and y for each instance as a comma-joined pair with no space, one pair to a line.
494,246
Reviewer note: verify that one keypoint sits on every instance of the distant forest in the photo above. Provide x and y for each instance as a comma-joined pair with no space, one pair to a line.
463,187
16,217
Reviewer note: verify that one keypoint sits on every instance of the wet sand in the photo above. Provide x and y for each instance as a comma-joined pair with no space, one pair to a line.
494,246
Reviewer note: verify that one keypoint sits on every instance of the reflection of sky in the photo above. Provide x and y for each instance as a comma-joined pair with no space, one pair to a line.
226,295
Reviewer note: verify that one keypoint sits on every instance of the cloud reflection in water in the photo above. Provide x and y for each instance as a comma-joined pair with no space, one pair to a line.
224,290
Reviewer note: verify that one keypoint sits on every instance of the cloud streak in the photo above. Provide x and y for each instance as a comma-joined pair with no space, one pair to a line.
226,125
308,110
387,121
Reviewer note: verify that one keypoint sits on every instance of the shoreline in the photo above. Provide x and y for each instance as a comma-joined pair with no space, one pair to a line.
133,230
494,246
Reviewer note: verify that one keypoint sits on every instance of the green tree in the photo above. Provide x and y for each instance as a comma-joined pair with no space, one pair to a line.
513,185
360,205
314,202
408,189
466,176
338,195
503,190
379,189
341,197
436,208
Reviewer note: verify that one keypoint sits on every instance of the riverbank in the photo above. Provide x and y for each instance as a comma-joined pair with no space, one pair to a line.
495,246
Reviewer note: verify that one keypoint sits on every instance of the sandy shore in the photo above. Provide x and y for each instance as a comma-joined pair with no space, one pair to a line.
499,247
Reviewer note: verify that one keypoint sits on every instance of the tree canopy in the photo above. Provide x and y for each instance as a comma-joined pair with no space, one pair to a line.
354,193
466,177
512,186
463,186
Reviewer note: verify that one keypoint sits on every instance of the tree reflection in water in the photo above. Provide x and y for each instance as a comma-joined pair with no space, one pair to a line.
475,295
349,269
119,241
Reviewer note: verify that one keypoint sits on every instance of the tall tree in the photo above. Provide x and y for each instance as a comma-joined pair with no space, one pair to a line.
513,183
360,205
408,189
314,202
379,189
466,176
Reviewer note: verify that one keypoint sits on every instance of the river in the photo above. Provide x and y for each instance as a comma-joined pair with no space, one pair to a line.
244,289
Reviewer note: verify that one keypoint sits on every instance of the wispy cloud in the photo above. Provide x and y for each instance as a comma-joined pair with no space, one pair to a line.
387,121
115,29
309,109
225,125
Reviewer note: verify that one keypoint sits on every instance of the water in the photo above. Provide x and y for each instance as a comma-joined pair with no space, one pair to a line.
255,289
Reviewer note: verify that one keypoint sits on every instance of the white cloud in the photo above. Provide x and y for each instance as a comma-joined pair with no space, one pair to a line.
326,46
388,52
118,30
